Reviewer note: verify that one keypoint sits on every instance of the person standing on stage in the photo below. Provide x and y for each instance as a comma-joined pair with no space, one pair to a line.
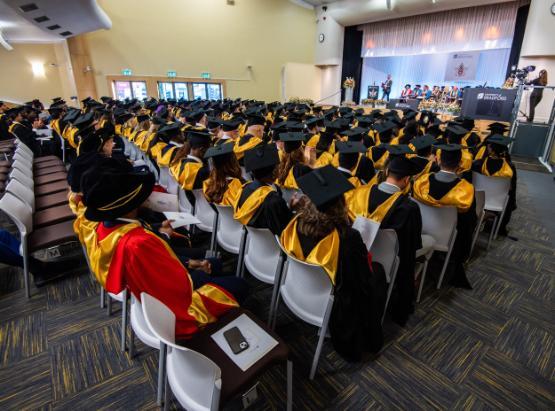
386,88
537,94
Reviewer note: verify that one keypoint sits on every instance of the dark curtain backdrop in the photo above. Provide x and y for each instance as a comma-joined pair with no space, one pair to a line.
520,27
352,62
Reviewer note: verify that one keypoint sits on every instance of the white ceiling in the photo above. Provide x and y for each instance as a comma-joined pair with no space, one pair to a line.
75,16
350,12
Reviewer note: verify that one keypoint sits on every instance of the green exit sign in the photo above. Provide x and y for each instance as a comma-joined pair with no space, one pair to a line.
172,74
127,72
205,76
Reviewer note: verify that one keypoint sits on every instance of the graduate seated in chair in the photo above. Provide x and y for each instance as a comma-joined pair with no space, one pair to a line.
425,159
321,234
124,253
293,164
225,182
446,188
388,203
496,162
260,204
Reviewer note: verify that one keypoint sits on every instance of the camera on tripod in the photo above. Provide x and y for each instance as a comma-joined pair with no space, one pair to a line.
521,74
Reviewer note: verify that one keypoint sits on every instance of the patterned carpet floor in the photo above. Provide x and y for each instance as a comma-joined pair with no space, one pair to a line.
488,348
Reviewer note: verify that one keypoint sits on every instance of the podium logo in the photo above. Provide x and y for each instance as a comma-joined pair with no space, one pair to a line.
491,96
480,96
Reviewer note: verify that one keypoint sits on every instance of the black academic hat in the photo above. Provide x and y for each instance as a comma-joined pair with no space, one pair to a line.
398,150
499,140
402,166
199,138
365,121
84,121
94,141
86,100
110,193
497,125
466,122
55,109
256,120
123,117
196,115
105,99
323,185
450,151
345,110
423,142
14,111
168,131
142,117
385,127
213,122
455,133
219,150
409,115
311,122
262,156
355,134
231,125
350,147
158,120
292,140
72,115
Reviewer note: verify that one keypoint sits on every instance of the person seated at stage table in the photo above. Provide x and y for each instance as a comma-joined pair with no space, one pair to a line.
425,159
292,164
321,234
407,92
426,92
446,188
124,253
224,184
388,203
260,204
417,92
497,163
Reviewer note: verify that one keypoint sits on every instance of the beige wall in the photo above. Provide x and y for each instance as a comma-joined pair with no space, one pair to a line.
18,84
195,36
302,81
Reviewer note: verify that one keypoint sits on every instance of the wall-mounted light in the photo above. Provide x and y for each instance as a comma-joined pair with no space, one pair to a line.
38,69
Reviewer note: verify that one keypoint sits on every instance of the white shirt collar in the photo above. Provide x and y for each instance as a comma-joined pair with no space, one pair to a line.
345,170
194,158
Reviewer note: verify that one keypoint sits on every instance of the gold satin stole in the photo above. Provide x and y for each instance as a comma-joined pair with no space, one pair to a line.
360,201
185,173
246,211
504,171
380,163
239,149
325,253
460,196
231,194
323,160
466,160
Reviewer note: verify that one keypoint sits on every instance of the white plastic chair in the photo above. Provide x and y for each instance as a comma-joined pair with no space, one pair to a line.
23,193
21,156
184,203
22,216
204,212
480,197
385,250
307,291
441,224
26,170
164,177
194,379
140,328
230,234
497,198
22,178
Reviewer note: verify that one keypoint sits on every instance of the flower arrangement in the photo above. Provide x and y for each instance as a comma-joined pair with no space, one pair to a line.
298,100
440,106
372,102
349,83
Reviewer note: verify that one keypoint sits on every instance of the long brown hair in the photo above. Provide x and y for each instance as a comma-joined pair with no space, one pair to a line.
287,163
317,224
217,180
543,77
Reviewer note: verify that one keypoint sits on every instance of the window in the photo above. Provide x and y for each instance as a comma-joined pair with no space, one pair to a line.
129,89
214,91
165,90
181,91
199,91
210,91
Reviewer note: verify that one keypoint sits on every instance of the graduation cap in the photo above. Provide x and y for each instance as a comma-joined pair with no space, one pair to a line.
422,142
398,150
256,120
262,156
355,134
168,131
450,152
499,140
86,100
213,122
345,110
323,185
142,117
498,128
84,121
105,99
220,153
311,122
350,147
71,116
158,120
199,139
384,128
292,140
14,110
455,133
365,121
231,125
410,115
466,122
55,110
402,166
197,115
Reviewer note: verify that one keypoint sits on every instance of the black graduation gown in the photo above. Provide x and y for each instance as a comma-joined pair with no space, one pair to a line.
466,222
494,165
24,131
359,297
4,128
272,214
421,164
403,217
365,170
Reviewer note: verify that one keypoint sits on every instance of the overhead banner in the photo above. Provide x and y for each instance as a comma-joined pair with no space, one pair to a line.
461,66
488,103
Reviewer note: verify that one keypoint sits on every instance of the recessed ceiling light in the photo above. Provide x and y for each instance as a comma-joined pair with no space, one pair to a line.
41,19
28,7
54,27
66,33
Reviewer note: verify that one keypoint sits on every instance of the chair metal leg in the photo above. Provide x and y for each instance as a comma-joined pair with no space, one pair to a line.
131,343
215,227
123,320
475,236
422,279
289,385
167,394
26,267
500,221
492,232
109,304
447,257
241,257
323,330
161,373
102,297
275,291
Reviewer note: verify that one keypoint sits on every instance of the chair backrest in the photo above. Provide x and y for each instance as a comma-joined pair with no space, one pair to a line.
229,231
496,188
261,254
25,194
197,378
20,155
203,211
306,289
385,249
480,197
438,222
21,146
184,203
16,209
368,230
164,176
22,178
25,169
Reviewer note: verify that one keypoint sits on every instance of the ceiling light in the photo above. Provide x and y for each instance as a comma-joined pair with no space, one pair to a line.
4,43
